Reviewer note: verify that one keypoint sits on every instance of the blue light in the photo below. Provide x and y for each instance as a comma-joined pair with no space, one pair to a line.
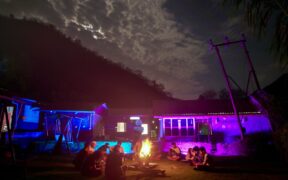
127,146
28,135
28,100
31,114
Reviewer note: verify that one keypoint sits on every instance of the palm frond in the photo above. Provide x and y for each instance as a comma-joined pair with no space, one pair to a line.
261,15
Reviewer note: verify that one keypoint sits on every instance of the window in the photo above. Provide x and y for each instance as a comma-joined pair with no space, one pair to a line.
190,126
179,127
199,129
183,129
145,129
167,125
175,127
121,127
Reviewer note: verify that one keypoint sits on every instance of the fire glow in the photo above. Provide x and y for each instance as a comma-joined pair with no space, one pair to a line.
145,149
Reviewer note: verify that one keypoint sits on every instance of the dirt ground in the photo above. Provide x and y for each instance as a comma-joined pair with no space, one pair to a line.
61,167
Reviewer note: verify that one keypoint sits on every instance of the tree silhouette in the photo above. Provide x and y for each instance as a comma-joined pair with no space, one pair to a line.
265,16
209,94
237,94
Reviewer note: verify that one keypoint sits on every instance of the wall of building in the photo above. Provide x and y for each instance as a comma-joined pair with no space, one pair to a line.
223,138
122,127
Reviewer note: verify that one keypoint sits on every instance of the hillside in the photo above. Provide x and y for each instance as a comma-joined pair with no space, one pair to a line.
39,62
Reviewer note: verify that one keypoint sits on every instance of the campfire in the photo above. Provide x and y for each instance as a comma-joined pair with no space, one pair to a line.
145,151
144,157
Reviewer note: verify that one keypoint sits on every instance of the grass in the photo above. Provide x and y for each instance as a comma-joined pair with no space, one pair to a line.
60,167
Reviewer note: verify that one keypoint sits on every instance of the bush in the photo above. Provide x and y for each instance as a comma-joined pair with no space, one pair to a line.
281,140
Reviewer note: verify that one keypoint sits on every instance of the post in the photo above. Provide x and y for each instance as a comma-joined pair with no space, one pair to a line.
250,62
229,89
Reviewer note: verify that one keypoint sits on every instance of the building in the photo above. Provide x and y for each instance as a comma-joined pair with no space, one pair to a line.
189,123
209,123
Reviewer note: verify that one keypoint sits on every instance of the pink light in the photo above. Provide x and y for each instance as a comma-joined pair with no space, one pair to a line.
231,149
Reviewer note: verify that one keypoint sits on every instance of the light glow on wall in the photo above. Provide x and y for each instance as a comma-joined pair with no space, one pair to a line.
127,146
235,148
31,114
223,127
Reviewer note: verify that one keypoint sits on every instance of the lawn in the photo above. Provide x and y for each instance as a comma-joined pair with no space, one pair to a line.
51,167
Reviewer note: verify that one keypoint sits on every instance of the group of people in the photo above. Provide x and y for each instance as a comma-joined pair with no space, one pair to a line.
196,156
94,163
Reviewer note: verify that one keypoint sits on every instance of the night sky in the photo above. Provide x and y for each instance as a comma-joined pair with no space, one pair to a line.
165,39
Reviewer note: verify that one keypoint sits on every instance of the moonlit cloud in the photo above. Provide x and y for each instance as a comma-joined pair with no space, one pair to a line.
167,43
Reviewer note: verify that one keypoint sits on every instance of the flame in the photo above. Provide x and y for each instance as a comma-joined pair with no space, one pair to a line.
145,149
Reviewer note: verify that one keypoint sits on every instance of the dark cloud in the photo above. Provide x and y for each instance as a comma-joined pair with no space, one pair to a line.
166,39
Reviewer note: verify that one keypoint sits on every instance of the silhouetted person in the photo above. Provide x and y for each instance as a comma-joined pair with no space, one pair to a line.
104,147
118,145
93,165
83,154
58,146
103,151
205,160
114,165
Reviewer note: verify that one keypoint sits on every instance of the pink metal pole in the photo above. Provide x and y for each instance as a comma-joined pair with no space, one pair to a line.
250,62
229,90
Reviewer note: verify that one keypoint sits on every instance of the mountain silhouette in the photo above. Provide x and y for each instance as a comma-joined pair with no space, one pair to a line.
38,61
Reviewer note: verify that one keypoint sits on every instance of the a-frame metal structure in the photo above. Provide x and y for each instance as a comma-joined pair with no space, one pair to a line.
242,43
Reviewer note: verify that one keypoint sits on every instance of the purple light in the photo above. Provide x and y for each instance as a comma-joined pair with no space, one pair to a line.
222,149
101,109
226,125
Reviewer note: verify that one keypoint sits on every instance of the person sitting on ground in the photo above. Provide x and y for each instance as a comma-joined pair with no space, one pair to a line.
189,154
193,156
88,149
174,152
205,160
114,168
94,164
91,148
118,145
